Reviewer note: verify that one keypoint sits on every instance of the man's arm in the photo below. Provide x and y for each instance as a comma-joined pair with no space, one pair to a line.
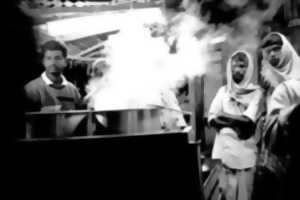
243,125
232,120
222,120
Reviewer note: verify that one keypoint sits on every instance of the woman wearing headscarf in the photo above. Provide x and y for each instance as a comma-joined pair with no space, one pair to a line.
233,113
281,67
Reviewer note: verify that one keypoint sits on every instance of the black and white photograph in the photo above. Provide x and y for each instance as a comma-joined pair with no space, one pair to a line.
158,99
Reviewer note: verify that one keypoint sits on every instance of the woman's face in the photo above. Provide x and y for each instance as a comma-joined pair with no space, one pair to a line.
273,55
239,65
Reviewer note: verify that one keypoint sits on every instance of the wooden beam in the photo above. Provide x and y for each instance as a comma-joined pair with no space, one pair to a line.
83,53
43,15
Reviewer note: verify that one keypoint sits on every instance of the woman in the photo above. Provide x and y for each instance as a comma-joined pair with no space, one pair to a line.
281,67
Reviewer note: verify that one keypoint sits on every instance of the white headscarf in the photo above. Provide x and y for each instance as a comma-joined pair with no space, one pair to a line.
289,64
99,65
243,91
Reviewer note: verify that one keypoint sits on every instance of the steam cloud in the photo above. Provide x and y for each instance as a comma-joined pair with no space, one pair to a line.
244,31
142,67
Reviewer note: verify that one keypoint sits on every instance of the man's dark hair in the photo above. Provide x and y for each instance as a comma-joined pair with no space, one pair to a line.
53,45
273,39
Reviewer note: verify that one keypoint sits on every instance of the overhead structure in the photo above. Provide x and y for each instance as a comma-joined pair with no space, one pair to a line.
84,26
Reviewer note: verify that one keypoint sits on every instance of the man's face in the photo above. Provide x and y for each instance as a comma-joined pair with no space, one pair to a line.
99,69
54,62
273,55
158,30
239,67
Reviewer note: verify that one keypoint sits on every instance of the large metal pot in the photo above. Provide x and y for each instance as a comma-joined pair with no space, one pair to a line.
130,121
80,123
55,124
87,122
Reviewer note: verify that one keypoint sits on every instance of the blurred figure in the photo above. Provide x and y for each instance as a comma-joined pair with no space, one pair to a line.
98,79
172,118
233,113
98,68
157,29
51,91
281,68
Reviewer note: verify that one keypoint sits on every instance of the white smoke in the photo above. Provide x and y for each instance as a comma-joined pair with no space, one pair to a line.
142,67
245,32
135,59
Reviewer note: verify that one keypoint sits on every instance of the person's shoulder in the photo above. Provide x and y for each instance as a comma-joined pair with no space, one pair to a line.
289,88
71,85
286,85
222,89
72,88
221,92
291,83
34,84
282,90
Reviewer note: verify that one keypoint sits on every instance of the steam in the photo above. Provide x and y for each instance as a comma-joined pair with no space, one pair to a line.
135,59
142,66
244,32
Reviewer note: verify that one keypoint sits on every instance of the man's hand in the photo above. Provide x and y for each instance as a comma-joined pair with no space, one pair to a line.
243,125
221,121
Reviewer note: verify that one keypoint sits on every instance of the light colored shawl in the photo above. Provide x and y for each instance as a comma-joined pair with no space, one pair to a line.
243,91
289,64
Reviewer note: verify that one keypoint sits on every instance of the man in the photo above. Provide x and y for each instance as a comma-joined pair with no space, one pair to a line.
98,79
51,91
233,113
172,118
281,67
